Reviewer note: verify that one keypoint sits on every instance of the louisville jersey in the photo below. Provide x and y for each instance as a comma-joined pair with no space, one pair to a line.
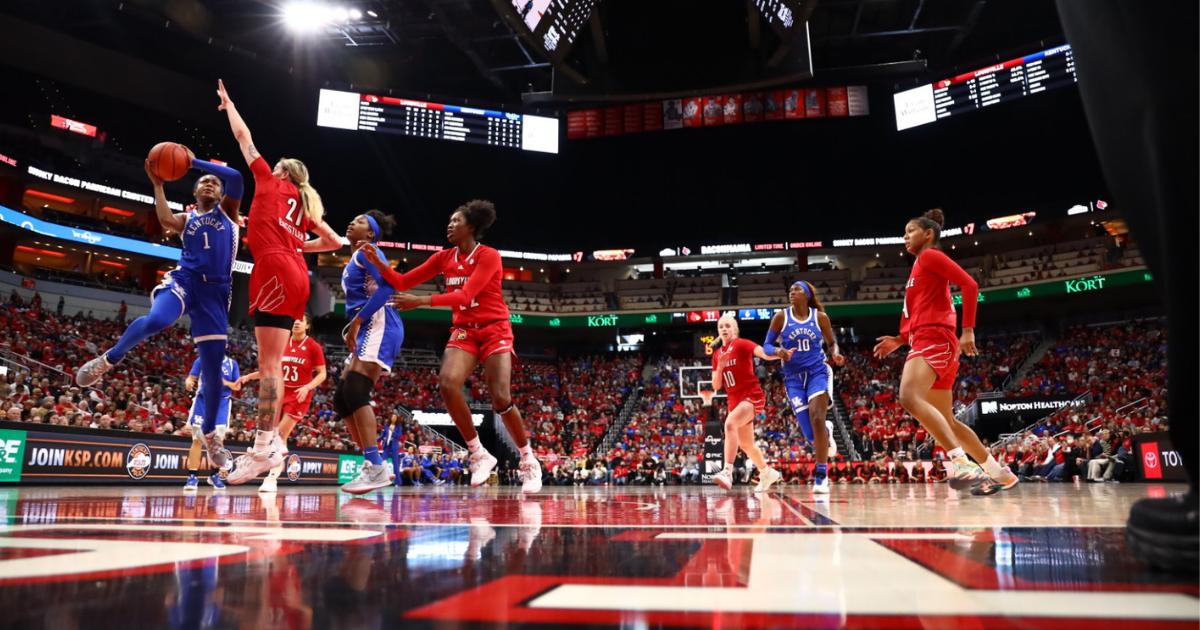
927,300
300,359
278,223
736,363
472,284
804,337
209,245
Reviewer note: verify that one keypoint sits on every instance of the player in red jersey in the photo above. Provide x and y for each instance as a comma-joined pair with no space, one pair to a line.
733,371
481,332
285,209
927,326
303,371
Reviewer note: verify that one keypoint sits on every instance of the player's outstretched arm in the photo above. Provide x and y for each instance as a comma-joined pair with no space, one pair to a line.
327,240
240,131
760,353
400,281
233,188
169,220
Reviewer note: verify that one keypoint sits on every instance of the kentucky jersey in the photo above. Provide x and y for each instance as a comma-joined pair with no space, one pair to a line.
229,371
804,337
209,245
382,331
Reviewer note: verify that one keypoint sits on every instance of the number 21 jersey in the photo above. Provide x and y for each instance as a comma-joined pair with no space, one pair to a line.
277,224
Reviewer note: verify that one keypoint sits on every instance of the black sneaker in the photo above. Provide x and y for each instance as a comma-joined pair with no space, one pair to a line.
1166,532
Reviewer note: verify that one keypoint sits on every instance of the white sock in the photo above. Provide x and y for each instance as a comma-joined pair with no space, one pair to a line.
526,452
956,453
262,441
274,474
992,467
474,445
728,467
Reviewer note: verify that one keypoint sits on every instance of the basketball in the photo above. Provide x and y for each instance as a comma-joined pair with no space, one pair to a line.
169,161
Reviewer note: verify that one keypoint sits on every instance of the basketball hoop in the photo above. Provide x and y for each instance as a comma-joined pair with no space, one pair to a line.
708,397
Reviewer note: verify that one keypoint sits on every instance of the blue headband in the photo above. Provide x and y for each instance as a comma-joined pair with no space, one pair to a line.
374,226
804,287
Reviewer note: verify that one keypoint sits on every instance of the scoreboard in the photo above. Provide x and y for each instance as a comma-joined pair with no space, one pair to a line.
386,114
1000,83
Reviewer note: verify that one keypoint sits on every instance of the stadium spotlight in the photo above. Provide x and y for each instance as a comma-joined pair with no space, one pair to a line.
355,14
372,14
303,16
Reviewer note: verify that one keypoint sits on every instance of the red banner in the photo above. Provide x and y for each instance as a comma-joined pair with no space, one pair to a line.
594,123
835,102
28,283
733,109
614,117
576,125
633,118
714,110
814,103
793,104
856,99
693,110
752,108
652,117
73,125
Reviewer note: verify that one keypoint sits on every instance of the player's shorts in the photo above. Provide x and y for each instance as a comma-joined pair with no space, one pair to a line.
802,387
206,303
939,347
196,417
757,399
279,286
379,340
293,407
483,341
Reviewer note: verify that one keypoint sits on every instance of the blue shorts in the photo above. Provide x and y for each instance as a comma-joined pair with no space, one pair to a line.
206,303
196,415
380,338
802,387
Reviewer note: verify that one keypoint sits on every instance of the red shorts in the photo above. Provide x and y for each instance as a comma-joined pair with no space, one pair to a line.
758,400
279,286
293,407
484,341
939,347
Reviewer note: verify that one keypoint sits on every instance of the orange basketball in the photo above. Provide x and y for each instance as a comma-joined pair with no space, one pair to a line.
169,161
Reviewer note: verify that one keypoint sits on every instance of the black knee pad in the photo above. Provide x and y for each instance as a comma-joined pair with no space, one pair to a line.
340,407
356,391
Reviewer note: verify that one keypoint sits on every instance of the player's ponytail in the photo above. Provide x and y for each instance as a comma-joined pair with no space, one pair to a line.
309,198
934,220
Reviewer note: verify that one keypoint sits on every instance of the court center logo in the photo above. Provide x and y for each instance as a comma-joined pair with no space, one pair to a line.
137,464
293,468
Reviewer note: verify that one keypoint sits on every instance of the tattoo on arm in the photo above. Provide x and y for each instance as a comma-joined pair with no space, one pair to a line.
268,398
254,155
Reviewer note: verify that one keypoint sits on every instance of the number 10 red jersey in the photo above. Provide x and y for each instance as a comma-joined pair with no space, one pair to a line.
736,362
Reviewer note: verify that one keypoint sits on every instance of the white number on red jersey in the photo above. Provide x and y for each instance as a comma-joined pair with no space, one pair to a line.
292,210
291,374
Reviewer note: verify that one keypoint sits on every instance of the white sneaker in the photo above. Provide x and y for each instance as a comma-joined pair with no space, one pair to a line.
370,477
269,484
530,475
482,464
280,446
251,465
821,486
766,479
724,478
832,442
218,455
91,371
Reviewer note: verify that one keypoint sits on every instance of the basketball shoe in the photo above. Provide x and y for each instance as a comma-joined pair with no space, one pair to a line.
966,474
767,479
482,464
993,485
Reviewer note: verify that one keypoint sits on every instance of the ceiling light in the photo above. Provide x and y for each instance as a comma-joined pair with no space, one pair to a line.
372,14
340,14
303,16
355,14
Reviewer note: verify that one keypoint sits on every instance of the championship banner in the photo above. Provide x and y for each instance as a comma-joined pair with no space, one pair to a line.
52,454
614,118
652,116
1157,458
856,100
836,105
594,123
672,114
576,125
634,118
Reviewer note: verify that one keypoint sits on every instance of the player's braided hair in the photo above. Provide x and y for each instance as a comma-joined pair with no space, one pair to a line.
934,220
480,214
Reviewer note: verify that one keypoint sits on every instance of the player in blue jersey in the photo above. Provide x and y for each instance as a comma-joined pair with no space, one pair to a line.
795,336
200,286
230,372
373,336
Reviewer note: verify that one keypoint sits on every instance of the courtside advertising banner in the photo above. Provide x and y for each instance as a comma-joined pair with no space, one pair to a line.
1157,458
70,455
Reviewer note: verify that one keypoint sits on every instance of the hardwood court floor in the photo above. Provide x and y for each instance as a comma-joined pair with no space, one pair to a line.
900,556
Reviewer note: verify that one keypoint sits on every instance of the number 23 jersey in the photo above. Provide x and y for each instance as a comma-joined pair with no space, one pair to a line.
300,360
